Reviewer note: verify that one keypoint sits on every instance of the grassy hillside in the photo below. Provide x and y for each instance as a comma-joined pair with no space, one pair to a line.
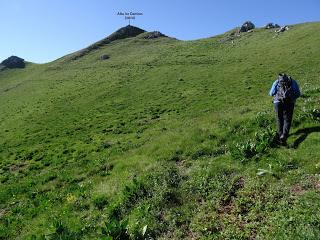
166,139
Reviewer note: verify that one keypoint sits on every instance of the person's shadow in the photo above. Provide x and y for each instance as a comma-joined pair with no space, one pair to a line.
303,134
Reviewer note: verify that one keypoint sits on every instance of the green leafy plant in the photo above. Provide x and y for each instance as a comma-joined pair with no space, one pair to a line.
243,150
263,119
115,230
100,202
253,147
264,139
62,232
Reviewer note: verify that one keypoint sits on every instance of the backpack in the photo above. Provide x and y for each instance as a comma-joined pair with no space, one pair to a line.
284,89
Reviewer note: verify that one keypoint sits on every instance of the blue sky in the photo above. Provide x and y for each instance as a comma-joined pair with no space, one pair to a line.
43,30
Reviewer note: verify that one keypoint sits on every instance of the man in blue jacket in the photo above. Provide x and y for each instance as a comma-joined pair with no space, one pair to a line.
285,91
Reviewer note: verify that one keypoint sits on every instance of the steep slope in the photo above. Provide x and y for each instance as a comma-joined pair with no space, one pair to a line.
164,138
125,32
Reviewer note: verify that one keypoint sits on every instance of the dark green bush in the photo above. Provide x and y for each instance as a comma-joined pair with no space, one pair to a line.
253,147
263,119
243,150
100,202
115,230
315,114
156,192
61,232
307,114
264,139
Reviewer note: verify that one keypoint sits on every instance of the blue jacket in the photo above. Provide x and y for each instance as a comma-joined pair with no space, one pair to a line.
295,88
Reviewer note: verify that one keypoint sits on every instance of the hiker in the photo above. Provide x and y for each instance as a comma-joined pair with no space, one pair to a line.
285,91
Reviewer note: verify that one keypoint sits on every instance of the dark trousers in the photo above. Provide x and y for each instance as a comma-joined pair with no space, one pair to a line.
284,113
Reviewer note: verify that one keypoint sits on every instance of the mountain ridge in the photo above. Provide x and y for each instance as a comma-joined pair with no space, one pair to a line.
113,35
128,31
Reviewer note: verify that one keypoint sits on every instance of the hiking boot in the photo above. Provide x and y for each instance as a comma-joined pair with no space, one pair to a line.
276,139
283,140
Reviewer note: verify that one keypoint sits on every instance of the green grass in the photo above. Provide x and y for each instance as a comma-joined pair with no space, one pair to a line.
166,136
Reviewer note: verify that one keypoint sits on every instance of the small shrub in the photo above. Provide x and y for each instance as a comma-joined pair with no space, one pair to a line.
315,114
135,191
177,156
102,170
50,177
208,152
264,139
251,148
116,230
100,202
308,114
131,195
81,205
105,145
243,151
200,153
263,119
62,232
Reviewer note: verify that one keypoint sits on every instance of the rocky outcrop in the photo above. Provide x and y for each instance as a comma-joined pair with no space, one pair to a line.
282,29
104,57
13,62
271,25
125,32
247,26
153,35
